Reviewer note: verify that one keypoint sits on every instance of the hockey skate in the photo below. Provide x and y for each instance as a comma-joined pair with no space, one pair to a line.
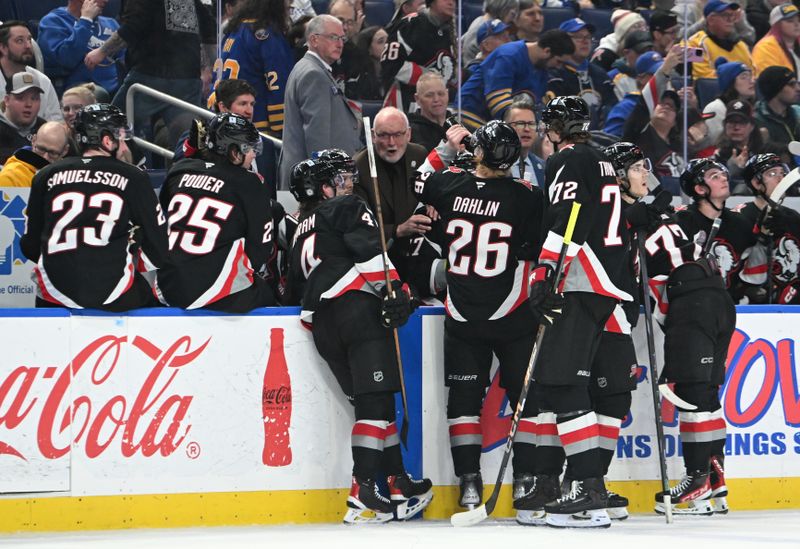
410,495
530,507
588,497
617,507
471,490
694,490
523,483
366,505
719,490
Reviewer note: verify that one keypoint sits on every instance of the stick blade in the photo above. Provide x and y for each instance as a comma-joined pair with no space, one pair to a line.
469,518
670,395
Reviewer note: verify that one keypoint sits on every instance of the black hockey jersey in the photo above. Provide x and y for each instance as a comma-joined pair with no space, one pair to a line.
221,232
92,222
785,252
418,45
493,229
731,247
598,258
337,249
285,226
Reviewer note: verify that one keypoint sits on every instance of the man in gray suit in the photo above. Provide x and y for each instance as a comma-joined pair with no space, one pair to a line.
317,114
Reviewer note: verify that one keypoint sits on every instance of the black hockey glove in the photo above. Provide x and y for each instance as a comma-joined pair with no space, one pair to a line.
546,304
774,224
641,216
197,136
395,311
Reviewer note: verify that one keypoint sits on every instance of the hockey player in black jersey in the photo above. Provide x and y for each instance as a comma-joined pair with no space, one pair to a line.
337,276
777,254
706,181
698,318
94,222
221,234
597,267
492,225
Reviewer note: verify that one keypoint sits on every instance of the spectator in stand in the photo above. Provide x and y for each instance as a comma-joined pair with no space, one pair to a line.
318,116
718,38
779,47
511,69
504,10
19,113
228,9
347,66
237,97
610,46
256,50
660,141
623,71
582,78
427,123
297,37
16,55
48,145
530,21
299,9
735,81
164,53
696,21
67,34
403,8
521,116
741,140
73,100
777,111
758,12
664,29
367,83
699,145
421,42
491,35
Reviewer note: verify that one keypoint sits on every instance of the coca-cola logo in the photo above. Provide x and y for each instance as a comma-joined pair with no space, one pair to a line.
152,422
281,395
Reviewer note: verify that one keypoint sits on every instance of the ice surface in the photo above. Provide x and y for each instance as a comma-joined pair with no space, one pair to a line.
737,529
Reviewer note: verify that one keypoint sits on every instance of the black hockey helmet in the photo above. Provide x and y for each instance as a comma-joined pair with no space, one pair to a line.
464,160
694,175
228,130
97,120
342,162
759,163
308,177
499,143
623,155
568,115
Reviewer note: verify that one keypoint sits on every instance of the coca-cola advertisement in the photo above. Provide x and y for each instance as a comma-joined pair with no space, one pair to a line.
159,404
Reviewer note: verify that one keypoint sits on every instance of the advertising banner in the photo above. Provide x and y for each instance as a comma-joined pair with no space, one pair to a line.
16,287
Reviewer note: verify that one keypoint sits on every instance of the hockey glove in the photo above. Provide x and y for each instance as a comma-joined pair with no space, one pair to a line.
396,310
196,141
641,216
545,304
774,224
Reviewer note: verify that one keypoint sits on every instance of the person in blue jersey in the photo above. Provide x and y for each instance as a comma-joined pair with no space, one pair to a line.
511,69
255,49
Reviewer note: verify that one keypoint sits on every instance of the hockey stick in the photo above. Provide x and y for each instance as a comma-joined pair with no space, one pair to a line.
373,172
651,349
474,516
663,387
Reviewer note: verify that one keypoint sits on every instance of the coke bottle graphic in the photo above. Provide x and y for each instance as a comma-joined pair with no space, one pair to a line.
276,402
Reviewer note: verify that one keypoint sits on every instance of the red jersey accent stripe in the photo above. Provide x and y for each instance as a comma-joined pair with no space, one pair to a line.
366,430
579,435
458,429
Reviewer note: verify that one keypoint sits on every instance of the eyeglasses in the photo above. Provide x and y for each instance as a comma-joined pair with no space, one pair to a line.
334,37
728,16
522,124
387,136
48,153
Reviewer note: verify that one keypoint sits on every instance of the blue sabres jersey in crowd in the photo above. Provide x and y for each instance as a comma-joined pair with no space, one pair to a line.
505,73
264,58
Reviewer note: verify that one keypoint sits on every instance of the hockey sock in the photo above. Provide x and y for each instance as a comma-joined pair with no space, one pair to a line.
697,431
580,437
525,446
392,456
549,453
609,432
465,444
718,434
368,439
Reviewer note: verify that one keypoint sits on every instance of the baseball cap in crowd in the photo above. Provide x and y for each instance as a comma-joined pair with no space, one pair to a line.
23,81
662,20
782,12
648,63
717,6
576,24
693,116
727,71
739,110
639,41
490,28
673,97
773,79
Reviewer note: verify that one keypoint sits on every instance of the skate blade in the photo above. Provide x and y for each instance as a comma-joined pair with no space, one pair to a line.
702,508
410,508
366,516
598,518
720,506
531,518
469,518
614,513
